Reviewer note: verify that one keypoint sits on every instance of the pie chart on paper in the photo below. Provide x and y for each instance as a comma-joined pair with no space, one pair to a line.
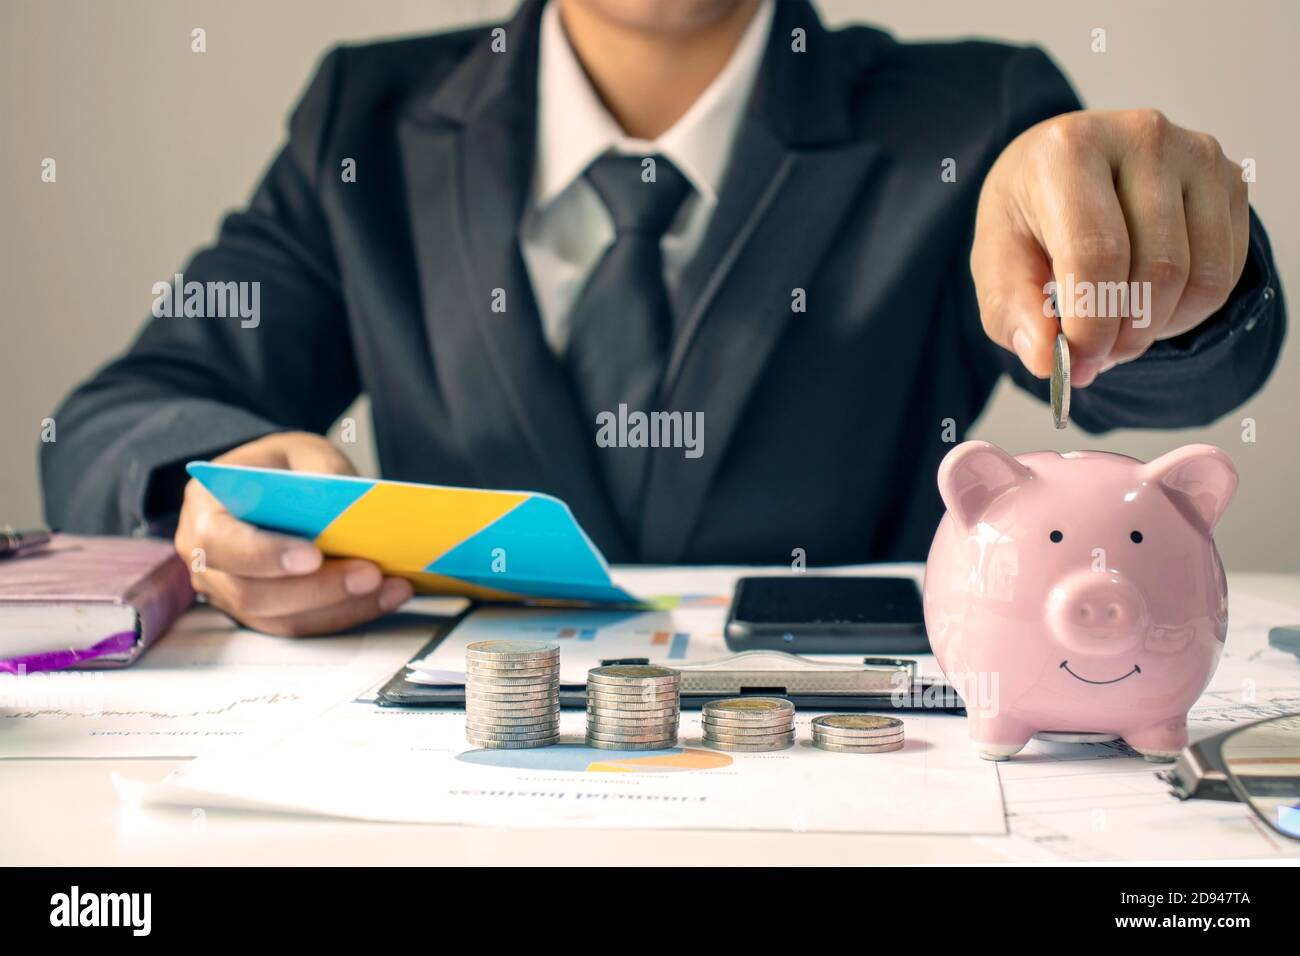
575,758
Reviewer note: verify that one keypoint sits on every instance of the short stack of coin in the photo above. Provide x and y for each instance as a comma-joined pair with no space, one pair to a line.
512,694
749,724
857,733
633,707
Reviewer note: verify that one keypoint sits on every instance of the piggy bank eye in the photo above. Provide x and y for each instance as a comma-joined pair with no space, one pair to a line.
1135,537
1056,537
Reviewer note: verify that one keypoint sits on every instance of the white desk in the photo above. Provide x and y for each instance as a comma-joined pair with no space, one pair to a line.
66,812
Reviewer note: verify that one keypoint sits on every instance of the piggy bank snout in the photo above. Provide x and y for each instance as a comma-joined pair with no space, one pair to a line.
1098,613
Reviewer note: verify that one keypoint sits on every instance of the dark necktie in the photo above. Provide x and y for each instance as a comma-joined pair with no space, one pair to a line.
621,324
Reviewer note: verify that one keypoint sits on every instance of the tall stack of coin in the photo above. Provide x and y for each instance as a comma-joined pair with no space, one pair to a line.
512,694
749,724
857,733
633,707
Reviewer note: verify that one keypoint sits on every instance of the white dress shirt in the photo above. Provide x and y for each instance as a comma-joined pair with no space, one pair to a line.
566,228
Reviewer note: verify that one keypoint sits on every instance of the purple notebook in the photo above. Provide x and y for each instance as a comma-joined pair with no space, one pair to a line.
88,602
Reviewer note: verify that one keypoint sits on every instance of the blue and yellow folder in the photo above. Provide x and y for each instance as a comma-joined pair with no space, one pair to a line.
488,545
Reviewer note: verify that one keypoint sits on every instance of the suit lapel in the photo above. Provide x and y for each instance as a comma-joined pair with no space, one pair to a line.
467,157
794,173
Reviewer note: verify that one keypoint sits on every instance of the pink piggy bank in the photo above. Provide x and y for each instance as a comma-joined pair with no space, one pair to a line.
1079,594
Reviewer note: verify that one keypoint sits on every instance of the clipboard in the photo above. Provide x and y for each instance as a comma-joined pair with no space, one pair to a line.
865,684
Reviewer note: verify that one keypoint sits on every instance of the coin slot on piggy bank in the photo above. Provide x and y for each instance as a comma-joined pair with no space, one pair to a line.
1079,593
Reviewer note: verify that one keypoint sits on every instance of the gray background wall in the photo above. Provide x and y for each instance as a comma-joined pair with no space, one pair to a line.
154,142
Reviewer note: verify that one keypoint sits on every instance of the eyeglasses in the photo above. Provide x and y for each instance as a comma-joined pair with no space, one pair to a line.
1258,764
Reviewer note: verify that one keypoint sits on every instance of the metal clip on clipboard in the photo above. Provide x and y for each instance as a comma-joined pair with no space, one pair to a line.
872,682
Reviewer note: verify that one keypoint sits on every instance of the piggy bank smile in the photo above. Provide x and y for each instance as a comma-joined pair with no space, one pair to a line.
1095,564
1065,666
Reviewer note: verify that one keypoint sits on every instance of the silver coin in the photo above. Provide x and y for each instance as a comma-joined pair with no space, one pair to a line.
513,744
532,730
612,714
615,745
858,741
745,706
511,721
632,706
1060,383
513,696
746,738
492,698
511,662
633,675
507,735
857,724
474,720
475,717
647,693
489,733
512,650
545,700
496,666
670,735
506,668
522,673
517,713
634,733
747,731
783,743
479,687
857,748
475,690
615,723
482,714
489,698
659,743
784,722
614,711
537,680
633,700
496,677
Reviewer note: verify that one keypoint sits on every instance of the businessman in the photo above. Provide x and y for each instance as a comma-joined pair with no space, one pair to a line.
824,247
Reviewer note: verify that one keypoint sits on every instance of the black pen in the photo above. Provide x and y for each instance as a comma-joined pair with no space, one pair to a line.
13,542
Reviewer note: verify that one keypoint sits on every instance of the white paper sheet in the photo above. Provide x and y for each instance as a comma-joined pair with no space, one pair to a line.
414,766
207,685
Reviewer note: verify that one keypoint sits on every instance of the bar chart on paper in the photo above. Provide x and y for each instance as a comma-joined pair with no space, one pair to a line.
586,639
672,645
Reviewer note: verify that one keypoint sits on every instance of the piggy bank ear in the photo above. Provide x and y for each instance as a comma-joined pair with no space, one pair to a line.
973,475
1199,479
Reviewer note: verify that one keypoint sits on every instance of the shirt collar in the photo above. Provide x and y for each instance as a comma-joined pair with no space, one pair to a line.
574,127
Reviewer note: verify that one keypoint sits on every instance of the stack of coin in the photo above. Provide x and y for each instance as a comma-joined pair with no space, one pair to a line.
749,724
633,707
512,694
857,733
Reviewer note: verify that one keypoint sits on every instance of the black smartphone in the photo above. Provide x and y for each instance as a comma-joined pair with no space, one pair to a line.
827,614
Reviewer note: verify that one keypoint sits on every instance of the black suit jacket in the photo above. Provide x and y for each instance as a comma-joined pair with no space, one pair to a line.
823,429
